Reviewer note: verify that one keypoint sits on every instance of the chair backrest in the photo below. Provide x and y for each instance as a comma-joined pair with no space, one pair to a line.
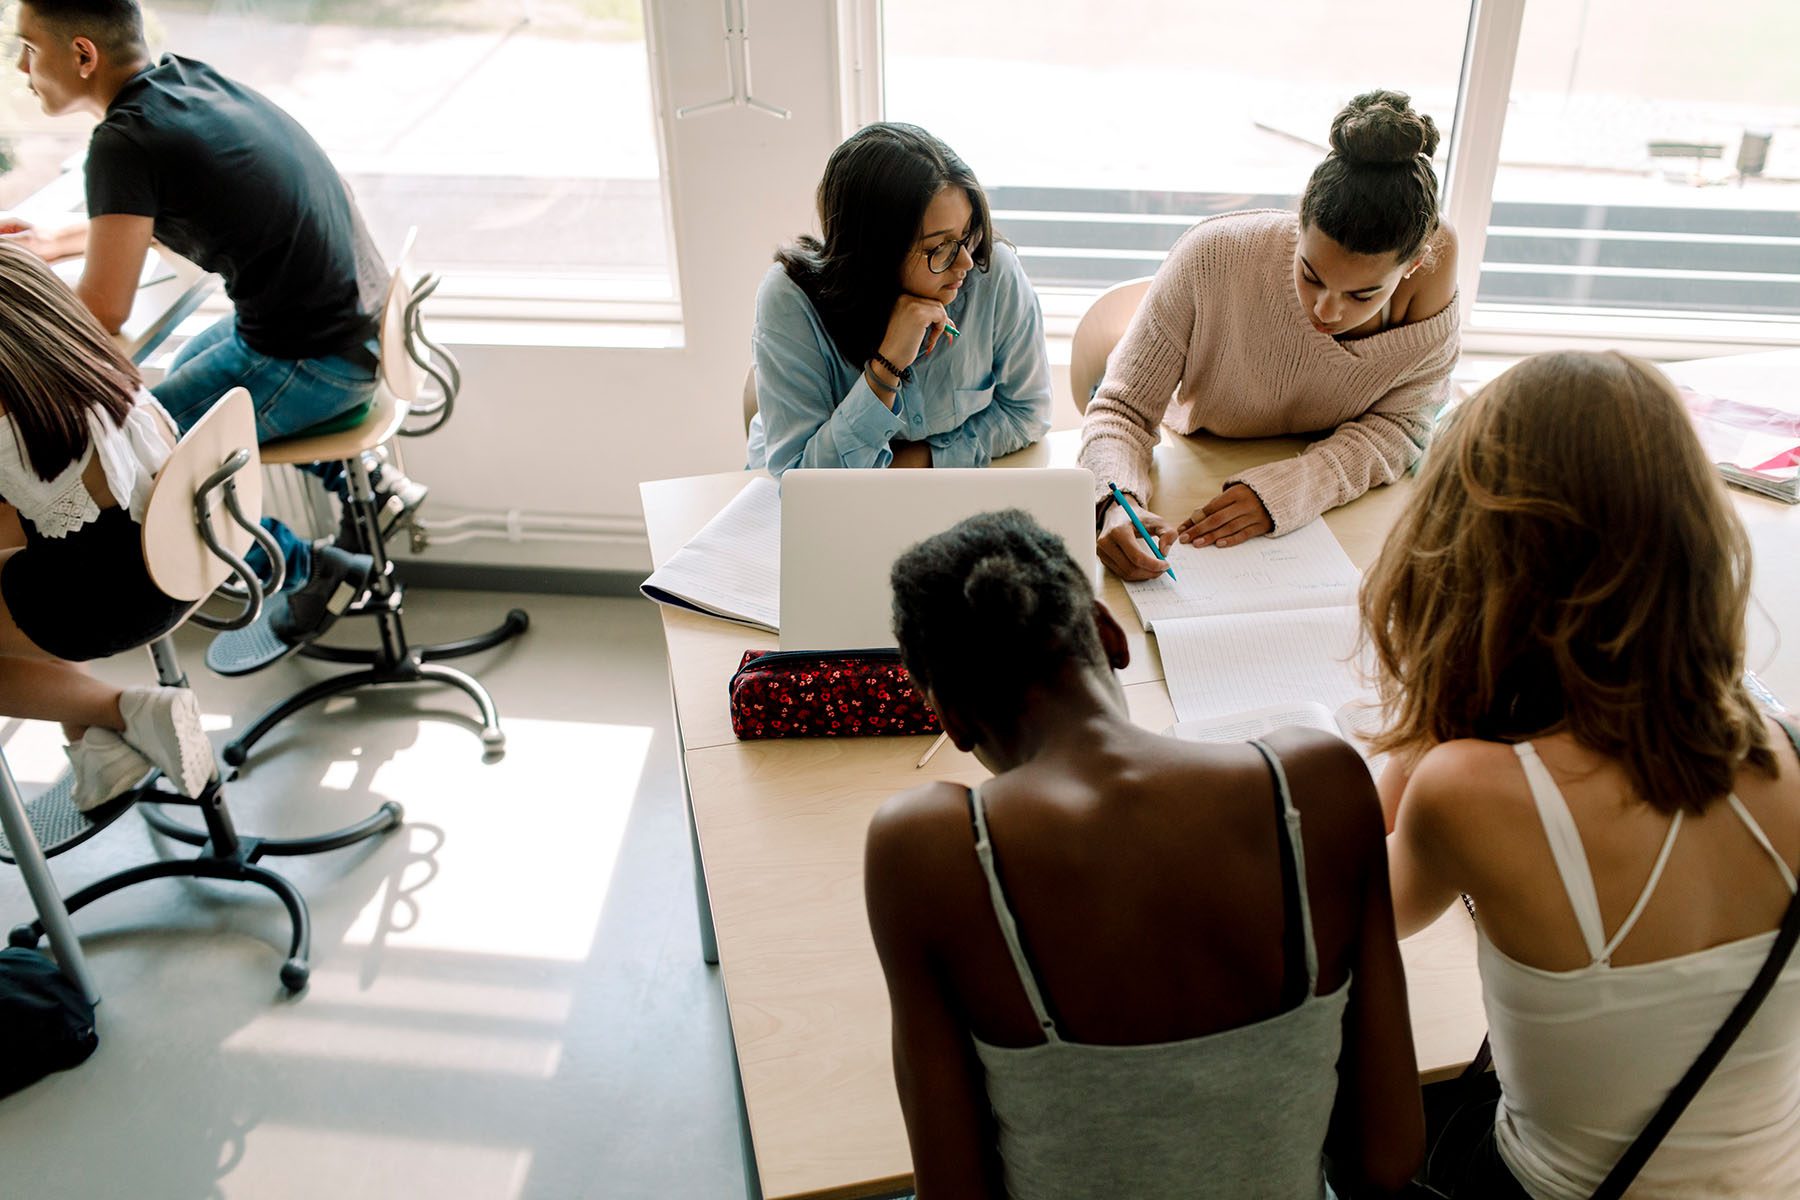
1098,331
180,562
749,400
403,376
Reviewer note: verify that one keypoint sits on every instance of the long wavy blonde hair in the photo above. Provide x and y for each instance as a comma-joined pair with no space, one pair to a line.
1569,563
55,364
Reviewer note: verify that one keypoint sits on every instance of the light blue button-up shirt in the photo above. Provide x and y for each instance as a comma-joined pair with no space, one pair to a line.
985,394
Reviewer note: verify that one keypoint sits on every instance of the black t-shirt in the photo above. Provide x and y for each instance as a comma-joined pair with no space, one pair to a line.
237,186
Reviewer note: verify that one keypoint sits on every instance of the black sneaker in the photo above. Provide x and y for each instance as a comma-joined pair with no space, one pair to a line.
338,578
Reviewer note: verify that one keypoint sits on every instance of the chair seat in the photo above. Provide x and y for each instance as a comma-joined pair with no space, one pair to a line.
59,825
386,414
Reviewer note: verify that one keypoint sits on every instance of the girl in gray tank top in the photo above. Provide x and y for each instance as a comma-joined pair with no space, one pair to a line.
1136,986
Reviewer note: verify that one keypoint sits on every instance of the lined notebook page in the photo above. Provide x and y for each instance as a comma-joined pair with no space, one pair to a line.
1224,665
1305,569
732,567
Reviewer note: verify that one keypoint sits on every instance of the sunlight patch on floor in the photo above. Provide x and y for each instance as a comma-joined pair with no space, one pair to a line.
528,875
294,1161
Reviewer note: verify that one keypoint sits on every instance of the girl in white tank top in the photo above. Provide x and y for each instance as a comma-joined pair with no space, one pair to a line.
1558,620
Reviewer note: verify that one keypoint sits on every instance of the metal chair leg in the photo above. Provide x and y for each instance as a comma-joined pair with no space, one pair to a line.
53,913
493,739
238,749
388,816
517,622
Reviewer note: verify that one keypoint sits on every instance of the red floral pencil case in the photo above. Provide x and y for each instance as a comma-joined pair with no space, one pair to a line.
842,693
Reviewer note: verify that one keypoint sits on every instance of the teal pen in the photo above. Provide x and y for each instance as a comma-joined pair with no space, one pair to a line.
1125,504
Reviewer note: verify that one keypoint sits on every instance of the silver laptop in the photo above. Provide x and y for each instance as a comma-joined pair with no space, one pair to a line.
841,531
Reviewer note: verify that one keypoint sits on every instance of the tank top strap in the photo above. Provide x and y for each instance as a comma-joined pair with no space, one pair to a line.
1009,928
1762,839
1294,868
1637,910
1565,848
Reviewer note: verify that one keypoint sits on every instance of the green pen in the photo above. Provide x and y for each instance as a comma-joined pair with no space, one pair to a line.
951,329
1125,504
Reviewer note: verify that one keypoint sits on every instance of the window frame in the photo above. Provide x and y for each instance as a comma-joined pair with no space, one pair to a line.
1484,93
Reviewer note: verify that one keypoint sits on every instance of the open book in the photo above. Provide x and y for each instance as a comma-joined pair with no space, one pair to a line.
1356,721
732,567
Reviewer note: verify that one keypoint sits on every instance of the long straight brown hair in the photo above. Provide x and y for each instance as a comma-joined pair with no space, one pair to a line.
1569,563
56,363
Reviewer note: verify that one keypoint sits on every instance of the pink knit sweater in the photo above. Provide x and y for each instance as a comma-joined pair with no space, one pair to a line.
1222,320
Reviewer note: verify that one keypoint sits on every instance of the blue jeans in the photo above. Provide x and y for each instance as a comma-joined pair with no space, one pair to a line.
289,395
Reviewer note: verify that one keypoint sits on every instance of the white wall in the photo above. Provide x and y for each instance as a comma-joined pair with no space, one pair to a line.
569,432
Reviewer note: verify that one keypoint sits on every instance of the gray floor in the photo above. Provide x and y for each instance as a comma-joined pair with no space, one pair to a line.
507,999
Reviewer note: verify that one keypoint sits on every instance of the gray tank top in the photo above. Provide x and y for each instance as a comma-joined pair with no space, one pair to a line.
1240,1112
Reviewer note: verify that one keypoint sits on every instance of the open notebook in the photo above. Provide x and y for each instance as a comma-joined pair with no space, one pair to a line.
1305,569
1269,622
732,567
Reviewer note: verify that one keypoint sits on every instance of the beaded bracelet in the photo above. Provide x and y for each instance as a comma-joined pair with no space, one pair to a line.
903,374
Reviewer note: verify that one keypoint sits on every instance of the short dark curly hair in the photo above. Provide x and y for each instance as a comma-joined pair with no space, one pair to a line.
990,608
113,25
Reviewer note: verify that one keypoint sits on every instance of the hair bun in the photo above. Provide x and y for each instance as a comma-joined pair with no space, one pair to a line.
1000,589
1381,127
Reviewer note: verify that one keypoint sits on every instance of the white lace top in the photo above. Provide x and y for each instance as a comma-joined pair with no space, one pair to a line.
130,456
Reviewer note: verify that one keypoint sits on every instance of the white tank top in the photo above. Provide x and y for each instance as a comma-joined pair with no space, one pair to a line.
130,455
1585,1057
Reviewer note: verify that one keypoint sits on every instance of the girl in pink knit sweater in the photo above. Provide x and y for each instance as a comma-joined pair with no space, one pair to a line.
1340,319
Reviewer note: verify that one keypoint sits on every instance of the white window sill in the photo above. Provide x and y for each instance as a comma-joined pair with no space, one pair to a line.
506,321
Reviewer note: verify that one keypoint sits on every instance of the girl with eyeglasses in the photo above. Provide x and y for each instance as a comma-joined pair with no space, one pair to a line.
908,336
1337,320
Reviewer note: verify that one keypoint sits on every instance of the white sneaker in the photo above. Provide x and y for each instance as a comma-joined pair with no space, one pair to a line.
163,724
105,767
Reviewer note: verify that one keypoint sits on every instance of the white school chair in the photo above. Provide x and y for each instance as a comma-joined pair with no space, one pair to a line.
1098,331
408,357
201,519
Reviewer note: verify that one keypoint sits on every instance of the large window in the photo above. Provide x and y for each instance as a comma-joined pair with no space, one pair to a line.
1644,161
1651,160
518,137
1104,128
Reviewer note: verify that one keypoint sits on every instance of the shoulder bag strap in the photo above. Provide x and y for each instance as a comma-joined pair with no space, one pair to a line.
1638,1153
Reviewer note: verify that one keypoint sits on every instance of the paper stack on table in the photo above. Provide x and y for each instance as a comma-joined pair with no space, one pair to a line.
1756,445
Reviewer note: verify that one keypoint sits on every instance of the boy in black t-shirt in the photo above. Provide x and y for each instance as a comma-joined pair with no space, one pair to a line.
220,175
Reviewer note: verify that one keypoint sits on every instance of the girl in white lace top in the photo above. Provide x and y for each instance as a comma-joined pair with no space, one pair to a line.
81,442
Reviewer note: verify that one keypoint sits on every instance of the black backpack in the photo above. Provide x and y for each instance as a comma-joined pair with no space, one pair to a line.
46,1024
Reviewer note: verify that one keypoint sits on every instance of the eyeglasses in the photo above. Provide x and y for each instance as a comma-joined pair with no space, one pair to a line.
943,256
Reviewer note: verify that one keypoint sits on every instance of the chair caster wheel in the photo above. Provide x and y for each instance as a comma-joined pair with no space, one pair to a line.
493,741
24,937
233,754
294,974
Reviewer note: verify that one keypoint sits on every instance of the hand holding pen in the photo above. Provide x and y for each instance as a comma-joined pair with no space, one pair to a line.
1133,540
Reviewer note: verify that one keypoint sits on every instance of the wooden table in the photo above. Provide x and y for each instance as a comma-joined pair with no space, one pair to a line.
779,828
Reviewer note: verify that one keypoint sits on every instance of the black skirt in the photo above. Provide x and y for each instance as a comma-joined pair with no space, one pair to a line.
87,595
